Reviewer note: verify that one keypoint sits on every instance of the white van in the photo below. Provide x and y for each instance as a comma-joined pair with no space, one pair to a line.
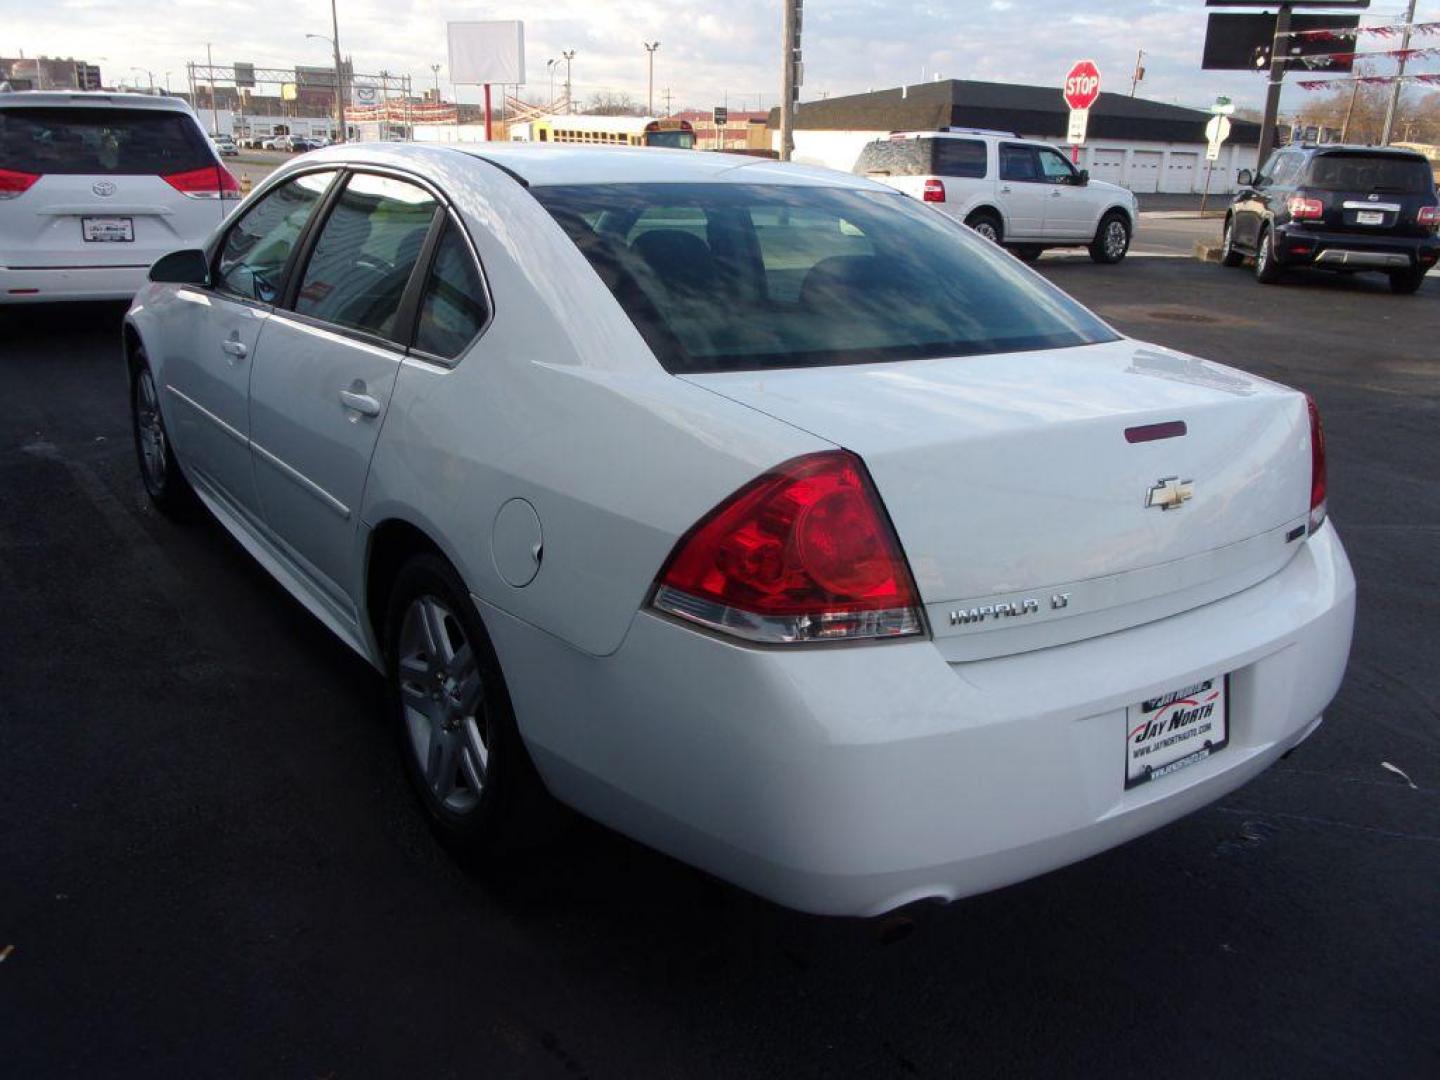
96,187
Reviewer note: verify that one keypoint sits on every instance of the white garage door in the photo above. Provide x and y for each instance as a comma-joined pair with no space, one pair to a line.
1180,172
1145,170
1107,165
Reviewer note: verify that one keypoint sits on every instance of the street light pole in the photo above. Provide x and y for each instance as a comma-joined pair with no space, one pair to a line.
1279,54
214,109
550,67
435,70
568,54
650,47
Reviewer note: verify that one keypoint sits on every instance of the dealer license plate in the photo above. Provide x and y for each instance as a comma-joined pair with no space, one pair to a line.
107,230
1370,217
1169,732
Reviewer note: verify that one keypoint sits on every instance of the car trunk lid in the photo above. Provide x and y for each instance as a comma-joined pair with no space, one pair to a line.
1047,496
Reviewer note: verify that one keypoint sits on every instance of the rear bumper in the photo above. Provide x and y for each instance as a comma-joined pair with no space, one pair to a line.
71,283
1298,246
853,780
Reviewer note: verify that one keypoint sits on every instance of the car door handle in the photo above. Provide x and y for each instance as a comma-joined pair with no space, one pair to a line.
1005,190
364,404
236,349
1055,194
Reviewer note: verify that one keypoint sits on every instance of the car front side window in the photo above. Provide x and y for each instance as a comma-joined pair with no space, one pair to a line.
1055,168
365,254
253,256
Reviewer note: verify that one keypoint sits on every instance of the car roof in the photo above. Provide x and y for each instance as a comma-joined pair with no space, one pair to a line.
89,99
957,133
1353,148
553,164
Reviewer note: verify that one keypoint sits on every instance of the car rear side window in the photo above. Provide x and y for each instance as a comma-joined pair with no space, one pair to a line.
960,157
1385,173
453,307
365,254
794,276
90,141
1018,163
253,255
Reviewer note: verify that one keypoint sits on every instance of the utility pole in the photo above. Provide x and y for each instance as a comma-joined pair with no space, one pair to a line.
340,134
1139,72
790,62
214,109
568,54
650,47
1279,51
1394,105
668,110
1345,127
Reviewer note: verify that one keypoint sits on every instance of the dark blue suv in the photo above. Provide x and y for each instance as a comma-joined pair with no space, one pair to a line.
1343,208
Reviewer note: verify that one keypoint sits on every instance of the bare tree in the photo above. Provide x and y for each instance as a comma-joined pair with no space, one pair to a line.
610,103
1417,120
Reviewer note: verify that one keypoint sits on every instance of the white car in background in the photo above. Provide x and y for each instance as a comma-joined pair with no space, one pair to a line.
754,510
95,187
1017,192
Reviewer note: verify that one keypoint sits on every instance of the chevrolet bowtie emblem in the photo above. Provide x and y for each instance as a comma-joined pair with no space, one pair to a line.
1169,493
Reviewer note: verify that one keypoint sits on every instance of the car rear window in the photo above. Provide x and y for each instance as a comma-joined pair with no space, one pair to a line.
726,277
116,142
1370,172
895,157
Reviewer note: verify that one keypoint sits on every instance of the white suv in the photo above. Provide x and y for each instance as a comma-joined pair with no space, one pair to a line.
96,187
1017,192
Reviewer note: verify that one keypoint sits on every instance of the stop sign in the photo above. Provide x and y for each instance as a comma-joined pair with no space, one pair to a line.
1082,85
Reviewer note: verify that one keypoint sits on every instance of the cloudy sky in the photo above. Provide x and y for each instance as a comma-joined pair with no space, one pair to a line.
709,51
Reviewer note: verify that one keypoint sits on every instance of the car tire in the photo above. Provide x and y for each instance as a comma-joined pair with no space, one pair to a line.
165,484
1406,282
452,714
1267,270
1028,253
1112,238
1228,255
987,225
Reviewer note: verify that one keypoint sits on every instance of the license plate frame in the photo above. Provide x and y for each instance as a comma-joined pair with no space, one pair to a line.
107,230
1369,217
1174,730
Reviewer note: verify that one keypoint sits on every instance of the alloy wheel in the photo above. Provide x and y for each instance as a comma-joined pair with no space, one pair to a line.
1116,240
150,431
442,696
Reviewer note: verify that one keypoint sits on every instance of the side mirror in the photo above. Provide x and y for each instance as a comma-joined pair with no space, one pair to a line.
1082,177
188,267
1245,178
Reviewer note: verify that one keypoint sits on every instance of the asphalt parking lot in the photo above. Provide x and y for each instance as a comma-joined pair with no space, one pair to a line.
212,865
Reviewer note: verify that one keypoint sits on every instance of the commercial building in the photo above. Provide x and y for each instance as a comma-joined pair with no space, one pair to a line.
1146,146
49,73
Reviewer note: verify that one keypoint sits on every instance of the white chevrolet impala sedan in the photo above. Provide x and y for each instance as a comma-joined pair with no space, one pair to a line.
759,512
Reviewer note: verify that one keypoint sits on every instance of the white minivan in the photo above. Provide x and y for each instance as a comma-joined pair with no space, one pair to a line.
1017,192
96,187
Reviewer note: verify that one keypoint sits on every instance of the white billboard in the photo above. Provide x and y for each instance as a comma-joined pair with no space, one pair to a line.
491,51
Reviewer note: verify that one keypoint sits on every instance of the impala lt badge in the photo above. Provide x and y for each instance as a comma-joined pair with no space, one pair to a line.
1170,493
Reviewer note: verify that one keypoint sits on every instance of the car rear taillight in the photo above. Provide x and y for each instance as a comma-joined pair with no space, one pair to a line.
934,190
1429,217
209,182
13,183
804,553
1303,209
1317,466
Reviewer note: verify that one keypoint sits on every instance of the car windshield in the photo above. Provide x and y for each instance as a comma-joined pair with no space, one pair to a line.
1370,172
722,277
85,141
